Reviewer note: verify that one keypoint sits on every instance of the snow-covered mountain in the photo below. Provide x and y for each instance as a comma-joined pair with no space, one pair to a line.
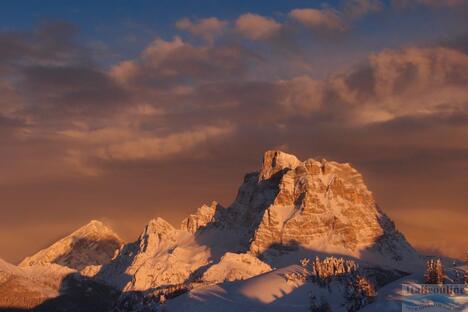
286,211
92,244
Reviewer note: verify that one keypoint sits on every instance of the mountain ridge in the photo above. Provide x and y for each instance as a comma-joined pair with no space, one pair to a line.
286,211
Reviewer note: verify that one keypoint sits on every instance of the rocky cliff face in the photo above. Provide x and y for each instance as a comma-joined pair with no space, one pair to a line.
90,245
204,215
325,206
321,206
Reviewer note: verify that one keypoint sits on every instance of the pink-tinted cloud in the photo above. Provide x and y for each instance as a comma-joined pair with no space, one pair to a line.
256,27
358,8
207,28
318,18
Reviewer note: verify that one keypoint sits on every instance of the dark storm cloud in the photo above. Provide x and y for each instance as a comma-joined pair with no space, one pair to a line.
459,43
47,78
70,90
429,3
51,42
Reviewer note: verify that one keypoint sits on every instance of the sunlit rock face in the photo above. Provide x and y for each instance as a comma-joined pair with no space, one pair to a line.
93,244
324,206
317,202
204,215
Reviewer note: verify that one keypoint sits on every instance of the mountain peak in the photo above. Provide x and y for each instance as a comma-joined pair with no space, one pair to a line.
275,161
96,228
160,226
92,244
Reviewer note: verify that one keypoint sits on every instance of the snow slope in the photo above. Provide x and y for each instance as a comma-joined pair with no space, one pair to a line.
266,292
390,297
234,267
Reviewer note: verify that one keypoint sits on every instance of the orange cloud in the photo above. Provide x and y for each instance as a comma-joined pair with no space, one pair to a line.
141,148
125,143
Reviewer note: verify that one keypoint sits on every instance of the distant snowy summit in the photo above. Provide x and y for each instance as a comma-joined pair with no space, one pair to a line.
92,244
286,211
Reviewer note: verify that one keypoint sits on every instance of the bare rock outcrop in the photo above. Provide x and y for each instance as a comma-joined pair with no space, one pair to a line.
205,214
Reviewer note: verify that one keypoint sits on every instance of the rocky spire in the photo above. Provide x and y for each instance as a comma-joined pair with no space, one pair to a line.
275,161
204,215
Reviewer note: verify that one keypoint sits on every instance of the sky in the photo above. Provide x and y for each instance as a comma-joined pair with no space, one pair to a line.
124,111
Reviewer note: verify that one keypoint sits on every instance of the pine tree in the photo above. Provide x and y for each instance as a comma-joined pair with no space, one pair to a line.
434,272
318,305
359,293
465,269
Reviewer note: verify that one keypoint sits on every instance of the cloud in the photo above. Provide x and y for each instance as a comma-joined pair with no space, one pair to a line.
392,84
140,109
50,43
166,63
358,8
126,143
256,27
429,3
436,3
10,101
207,28
400,116
70,90
318,18
155,147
